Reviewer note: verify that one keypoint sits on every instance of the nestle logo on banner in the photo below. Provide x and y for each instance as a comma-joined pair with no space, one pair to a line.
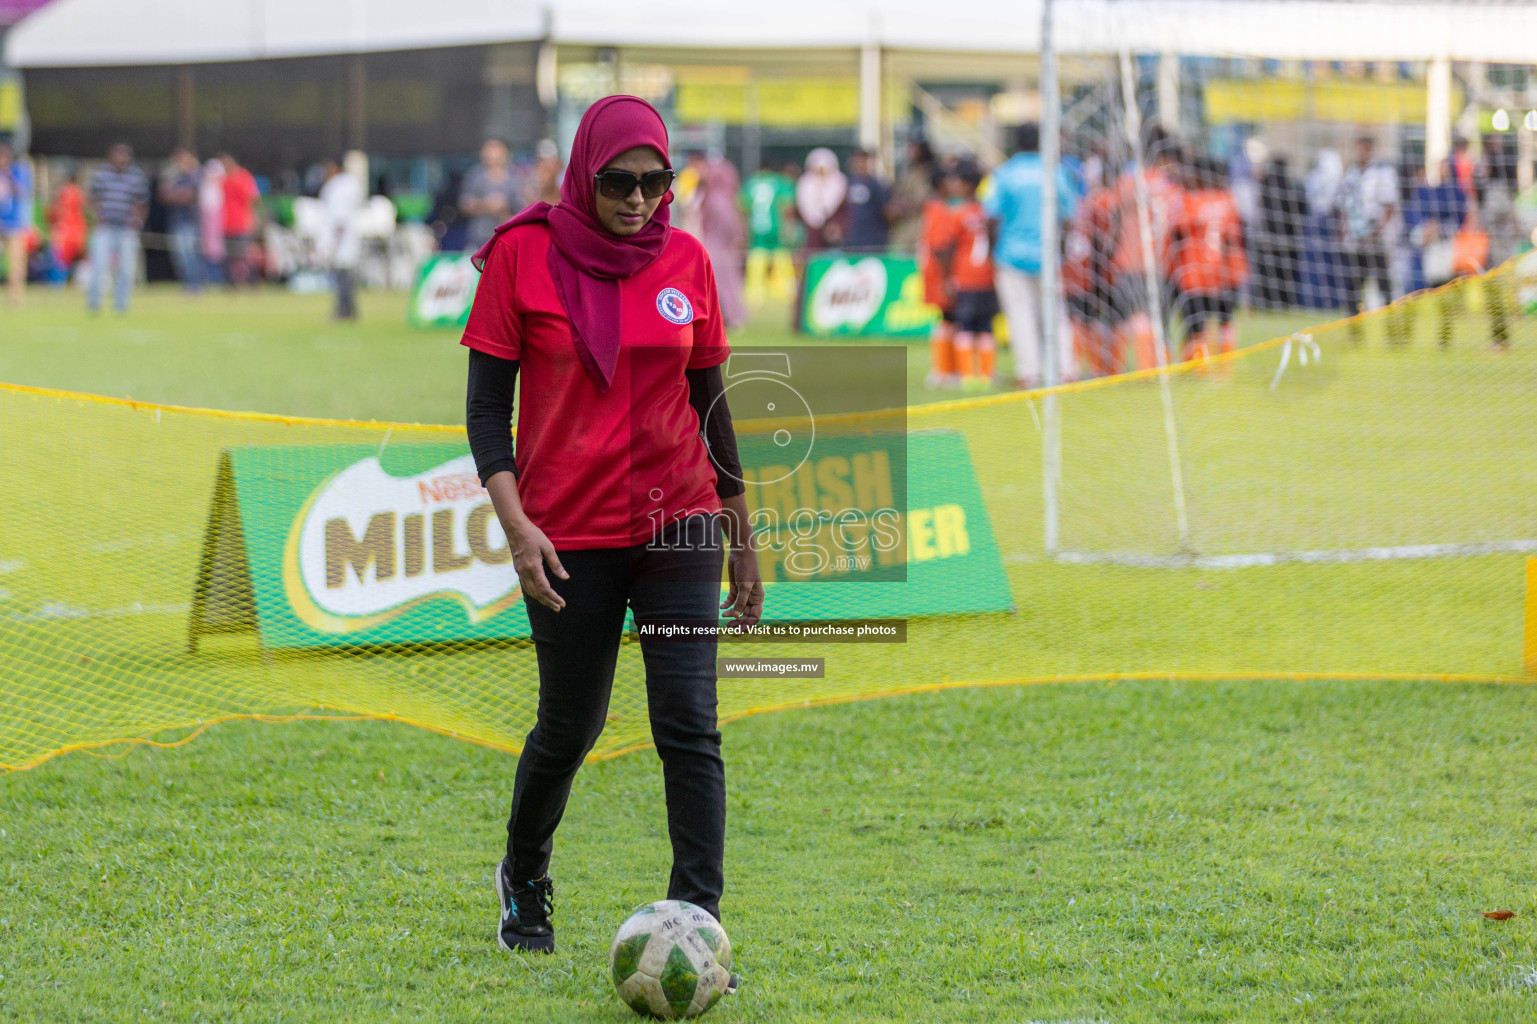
370,545
459,487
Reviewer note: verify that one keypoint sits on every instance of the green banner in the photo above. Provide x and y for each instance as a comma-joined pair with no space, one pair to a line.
445,287
346,545
866,295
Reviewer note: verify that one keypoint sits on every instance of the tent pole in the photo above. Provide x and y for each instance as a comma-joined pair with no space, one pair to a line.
1051,432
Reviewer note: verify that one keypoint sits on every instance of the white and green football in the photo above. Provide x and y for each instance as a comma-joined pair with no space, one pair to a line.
670,959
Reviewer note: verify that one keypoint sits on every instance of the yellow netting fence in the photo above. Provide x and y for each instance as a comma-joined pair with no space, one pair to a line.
1358,501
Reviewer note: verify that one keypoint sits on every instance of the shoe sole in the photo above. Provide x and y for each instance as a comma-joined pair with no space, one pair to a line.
533,944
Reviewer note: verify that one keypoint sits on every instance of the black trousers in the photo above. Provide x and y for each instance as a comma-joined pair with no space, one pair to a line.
346,288
1366,265
677,576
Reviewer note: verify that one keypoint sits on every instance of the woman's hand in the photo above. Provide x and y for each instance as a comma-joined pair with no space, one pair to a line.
744,597
531,550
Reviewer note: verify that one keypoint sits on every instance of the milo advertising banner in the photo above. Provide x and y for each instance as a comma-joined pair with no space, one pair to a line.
445,287
866,295
333,545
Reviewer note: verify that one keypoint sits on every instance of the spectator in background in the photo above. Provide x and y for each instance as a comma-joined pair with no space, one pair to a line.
119,201
1433,214
768,197
240,223
66,225
16,200
1210,265
1497,189
1496,194
1086,277
341,244
1461,169
492,193
1277,242
544,184
819,203
868,199
686,194
179,187
969,281
449,226
1135,329
820,195
1015,206
911,195
936,236
1368,200
1321,286
210,211
724,233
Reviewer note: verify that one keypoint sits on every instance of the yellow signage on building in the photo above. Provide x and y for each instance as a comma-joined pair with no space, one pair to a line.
10,105
1339,102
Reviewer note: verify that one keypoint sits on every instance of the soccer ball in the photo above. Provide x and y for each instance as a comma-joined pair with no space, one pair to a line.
670,959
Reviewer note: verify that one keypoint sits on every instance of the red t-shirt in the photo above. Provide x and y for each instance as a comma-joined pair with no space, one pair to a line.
1163,199
935,234
240,195
971,267
604,470
1208,251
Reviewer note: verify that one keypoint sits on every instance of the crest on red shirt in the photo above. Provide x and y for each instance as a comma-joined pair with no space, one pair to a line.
674,306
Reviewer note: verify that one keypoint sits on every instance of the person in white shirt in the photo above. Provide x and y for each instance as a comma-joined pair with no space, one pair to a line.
1368,201
341,244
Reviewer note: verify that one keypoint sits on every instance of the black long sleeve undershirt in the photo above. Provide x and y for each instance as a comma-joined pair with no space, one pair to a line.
706,393
488,413
488,419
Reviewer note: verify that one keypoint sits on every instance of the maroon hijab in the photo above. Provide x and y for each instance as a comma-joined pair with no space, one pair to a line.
587,261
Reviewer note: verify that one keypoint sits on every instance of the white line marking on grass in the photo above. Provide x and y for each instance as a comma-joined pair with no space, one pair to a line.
1250,560
54,610
1525,977
11,566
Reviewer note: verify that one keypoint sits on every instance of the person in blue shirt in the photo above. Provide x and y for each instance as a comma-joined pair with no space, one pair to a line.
1014,204
867,227
1433,215
15,220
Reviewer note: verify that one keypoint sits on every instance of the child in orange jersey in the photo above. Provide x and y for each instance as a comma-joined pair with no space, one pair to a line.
1086,276
1208,258
969,279
936,234
1135,326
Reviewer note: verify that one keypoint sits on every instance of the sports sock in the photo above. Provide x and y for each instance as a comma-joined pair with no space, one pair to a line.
1227,338
1141,328
986,354
941,351
963,349
1195,346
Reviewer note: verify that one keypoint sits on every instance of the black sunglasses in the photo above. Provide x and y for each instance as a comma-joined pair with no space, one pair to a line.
621,184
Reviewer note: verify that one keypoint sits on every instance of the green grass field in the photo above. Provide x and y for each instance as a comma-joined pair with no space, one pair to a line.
279,353
1151,851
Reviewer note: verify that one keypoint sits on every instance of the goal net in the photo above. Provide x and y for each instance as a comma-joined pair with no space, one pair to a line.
1301,438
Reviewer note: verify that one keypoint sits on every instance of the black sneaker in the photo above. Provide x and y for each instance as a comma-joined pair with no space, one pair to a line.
525,909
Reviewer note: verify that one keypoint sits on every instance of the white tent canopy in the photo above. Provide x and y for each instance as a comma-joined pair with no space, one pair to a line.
72,33
79,33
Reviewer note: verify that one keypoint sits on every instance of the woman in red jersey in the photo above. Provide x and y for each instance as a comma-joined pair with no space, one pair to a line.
624,477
